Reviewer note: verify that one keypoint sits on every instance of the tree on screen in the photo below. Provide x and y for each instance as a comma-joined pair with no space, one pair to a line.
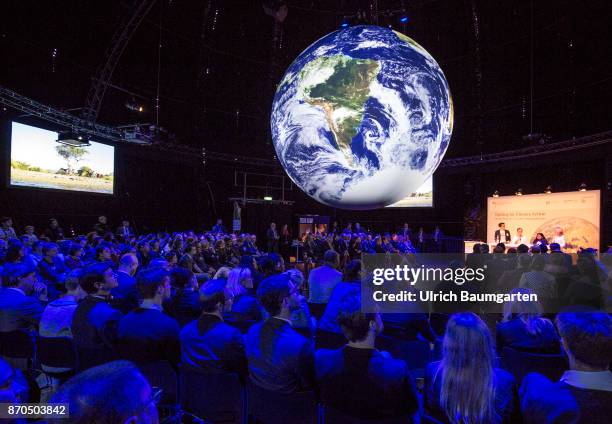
71,154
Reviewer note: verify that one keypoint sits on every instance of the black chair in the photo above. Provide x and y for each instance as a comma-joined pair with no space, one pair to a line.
219,397
281,408
416,353
57,352
328,340
519,364
333,416
163,375
18,344
88,358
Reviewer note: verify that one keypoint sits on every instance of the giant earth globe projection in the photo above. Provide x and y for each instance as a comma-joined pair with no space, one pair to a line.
362,118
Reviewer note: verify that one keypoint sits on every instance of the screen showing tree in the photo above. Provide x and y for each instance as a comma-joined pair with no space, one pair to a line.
38,160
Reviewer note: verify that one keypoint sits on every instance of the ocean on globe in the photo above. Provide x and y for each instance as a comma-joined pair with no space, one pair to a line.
362,118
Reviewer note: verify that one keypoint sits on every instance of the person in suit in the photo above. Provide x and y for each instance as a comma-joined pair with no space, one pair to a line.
115,392
465,386
147,334
523,327
125,231
322,280
208,343
125,295
280,359
584,392
184,305
94,324
501,234
273,237
351,379
19,310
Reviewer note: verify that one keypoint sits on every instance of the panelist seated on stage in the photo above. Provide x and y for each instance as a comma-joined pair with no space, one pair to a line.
501,234
520,238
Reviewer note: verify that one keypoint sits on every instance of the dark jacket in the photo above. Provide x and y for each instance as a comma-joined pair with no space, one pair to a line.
506,403
18,311
148,335
94,330
125,296
543,401
210,345
280,359
365,383
514,334
328,321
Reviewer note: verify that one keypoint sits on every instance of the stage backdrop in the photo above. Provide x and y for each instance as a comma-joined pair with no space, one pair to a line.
575,212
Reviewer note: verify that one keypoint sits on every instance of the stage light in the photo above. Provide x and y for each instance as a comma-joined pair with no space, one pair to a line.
583,187
404,19
345,23
268,198
133,106
548,190
496,193
519,192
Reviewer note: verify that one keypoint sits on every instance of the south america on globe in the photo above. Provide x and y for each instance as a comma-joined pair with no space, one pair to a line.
362,118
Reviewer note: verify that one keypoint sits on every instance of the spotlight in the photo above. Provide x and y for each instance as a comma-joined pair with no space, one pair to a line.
496,193
404,19
519,192
345,23
268,198
583,187
133,106
548,190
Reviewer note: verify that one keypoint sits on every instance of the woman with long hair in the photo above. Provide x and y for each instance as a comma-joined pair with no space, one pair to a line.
244,305
524,328
465,387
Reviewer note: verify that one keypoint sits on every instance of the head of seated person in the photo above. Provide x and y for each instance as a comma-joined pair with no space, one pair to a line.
214,297
113,393
98,279
154,285
276,295
587,338
21,277
352,271
358,327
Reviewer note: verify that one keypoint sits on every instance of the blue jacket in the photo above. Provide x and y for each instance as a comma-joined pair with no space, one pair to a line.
210,345
18,311
380,386
280,359
125,296
514,334
148,335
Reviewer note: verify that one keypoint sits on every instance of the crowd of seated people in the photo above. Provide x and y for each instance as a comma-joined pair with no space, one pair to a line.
214,303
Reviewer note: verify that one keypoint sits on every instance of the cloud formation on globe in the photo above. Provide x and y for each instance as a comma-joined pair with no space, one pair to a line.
362,118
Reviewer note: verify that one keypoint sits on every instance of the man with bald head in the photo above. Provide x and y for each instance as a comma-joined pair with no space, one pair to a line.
126,296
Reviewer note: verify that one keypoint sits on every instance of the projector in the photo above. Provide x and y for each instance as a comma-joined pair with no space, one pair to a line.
72,138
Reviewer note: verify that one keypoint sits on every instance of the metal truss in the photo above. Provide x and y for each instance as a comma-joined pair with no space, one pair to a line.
104,73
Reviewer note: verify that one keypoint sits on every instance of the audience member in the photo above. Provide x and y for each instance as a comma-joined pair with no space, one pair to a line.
584,393
245,306
56,320
523,327
280,359
147,334
94,325
126,296
359,380
465,386
19,309
350,286
185,303
322,280
208,343
112,393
